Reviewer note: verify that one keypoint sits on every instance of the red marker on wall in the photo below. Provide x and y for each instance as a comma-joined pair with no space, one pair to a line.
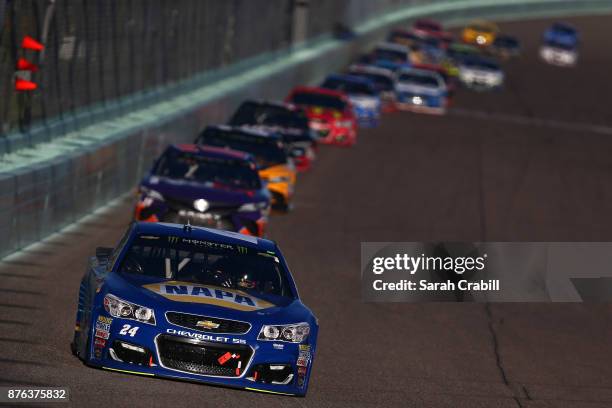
23,85
29,43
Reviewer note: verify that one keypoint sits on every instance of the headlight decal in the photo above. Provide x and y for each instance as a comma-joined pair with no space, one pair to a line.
117,307
291,333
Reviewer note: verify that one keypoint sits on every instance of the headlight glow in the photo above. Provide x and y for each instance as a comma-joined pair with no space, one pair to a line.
292,333
117,307
201,205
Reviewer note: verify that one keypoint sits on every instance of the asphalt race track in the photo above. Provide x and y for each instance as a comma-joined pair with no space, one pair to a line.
531,163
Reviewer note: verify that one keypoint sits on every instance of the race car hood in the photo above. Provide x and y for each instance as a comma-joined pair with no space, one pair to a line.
190,297
479,71
324,114
279,170
186,191
289,134
417,89
365,102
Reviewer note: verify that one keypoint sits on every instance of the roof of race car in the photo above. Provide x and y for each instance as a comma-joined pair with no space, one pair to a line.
211,151
355,79
204,234
427,22
245,131
317,90
388,46
278,104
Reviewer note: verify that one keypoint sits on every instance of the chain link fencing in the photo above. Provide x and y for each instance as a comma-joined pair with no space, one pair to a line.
99,51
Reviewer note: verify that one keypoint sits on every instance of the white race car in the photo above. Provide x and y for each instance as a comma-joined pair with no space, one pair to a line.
480,73
559,54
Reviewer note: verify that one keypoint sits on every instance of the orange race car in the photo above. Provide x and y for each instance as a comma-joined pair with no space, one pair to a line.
481,33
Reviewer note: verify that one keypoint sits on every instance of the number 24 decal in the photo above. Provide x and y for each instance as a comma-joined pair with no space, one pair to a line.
127,329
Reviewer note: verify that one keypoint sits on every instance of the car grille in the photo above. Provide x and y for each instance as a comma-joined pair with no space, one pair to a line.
190,321
197,357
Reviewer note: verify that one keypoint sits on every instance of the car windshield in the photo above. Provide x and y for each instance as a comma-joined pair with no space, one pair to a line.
563,29
481,64
386,54
319,100
207,263
381,82
266,150
350,87
506,41
419,79
460,53
482,28
426,25
180,165
401,37
269,115
560,45
431,42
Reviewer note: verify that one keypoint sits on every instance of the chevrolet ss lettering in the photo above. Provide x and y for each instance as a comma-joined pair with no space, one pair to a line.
189,302
206,337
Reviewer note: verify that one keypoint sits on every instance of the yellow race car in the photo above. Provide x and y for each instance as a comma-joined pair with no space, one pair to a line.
481,33
274,162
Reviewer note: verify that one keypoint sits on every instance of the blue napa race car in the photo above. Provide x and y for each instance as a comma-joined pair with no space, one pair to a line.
206,186
362,93
196,304
563,34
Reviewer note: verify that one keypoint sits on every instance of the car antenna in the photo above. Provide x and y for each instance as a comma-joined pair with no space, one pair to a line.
187,227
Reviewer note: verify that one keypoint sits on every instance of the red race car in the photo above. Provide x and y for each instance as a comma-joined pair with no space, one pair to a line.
329,112
432,28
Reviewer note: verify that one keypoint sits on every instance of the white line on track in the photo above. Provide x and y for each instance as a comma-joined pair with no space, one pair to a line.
525,120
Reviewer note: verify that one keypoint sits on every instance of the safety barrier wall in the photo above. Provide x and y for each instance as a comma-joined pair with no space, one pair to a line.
52,186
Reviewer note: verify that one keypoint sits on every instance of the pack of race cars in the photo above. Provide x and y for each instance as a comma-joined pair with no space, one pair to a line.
218,304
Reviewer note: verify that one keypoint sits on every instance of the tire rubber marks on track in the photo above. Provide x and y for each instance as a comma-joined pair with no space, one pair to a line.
529,121
522,391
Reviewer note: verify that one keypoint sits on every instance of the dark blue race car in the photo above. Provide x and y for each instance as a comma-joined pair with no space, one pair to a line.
562,34
207,186
196,304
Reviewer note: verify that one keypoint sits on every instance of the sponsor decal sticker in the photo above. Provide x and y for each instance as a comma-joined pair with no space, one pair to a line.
103,334
205,337
303,358
278,346
212,295
102,326
104,319
99,342
301,376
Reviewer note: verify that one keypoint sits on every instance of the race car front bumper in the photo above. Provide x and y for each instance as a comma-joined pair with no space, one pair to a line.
335,135
422,104
237,361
